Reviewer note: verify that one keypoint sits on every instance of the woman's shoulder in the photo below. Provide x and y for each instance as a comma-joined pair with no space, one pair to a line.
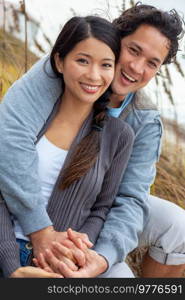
116,127
117,123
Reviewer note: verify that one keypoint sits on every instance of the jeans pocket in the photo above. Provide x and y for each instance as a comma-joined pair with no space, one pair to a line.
25,252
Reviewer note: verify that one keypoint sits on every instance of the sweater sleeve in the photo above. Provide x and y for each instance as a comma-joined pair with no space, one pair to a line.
104,201
23,112
130,212
9,250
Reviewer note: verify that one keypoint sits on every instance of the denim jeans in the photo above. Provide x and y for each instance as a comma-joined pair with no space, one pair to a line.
25,251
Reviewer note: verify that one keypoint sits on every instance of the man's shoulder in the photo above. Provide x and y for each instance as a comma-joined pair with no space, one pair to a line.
142,101
141,110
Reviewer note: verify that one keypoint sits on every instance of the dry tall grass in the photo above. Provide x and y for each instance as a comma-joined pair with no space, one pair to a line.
12,63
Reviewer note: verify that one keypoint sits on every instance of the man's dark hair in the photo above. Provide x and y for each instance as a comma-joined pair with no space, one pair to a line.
169,23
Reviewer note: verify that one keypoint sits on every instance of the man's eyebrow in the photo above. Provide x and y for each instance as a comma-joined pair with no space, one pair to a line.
89,56
141,50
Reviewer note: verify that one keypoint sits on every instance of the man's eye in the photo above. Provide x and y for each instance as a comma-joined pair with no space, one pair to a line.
152,64
133,51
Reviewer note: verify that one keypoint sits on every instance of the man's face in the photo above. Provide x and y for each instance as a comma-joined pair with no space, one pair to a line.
142,54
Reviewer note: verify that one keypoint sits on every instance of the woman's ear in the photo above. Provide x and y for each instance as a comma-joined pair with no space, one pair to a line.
58,63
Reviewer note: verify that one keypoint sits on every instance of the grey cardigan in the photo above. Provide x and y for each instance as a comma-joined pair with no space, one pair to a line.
84,205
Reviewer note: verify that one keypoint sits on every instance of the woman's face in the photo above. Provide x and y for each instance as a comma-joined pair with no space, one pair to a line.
88,70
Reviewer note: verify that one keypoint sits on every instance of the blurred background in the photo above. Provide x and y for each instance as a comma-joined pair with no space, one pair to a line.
28,30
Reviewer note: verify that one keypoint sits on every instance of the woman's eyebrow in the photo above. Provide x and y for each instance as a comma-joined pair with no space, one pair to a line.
89,56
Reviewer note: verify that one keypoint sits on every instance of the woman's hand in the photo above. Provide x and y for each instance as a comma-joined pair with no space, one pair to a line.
48,260
70,251
95,265
33,272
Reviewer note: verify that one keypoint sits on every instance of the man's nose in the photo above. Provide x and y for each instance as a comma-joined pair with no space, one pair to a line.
138,65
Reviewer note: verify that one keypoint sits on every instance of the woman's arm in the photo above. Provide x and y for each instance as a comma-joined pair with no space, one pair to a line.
104,201
9,250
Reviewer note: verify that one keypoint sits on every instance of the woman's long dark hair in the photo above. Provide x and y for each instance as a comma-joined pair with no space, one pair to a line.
76,30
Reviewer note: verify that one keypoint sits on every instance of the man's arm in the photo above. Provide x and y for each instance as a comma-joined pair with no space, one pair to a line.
129,213
23,111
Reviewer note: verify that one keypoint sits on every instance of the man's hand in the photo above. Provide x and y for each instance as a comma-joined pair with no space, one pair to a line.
95,265
77,238
33,272
69,250
43,239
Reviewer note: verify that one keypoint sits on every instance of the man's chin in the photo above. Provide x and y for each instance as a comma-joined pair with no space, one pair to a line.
119,95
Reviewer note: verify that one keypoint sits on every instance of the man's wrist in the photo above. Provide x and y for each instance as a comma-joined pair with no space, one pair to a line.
104,263
34,236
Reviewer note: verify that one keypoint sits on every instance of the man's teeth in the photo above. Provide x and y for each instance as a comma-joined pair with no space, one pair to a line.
128,77
90,88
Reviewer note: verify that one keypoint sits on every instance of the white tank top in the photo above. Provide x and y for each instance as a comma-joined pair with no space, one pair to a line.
51,160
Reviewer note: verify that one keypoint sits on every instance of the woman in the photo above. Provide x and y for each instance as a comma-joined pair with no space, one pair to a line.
82,152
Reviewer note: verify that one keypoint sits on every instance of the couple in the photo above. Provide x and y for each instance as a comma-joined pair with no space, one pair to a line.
149,38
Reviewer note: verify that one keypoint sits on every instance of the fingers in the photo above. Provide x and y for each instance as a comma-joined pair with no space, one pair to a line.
79,255
73,236
54,262
36,262
42,263
63,268
61,251
33,272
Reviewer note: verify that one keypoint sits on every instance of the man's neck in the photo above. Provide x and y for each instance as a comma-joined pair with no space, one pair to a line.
116,100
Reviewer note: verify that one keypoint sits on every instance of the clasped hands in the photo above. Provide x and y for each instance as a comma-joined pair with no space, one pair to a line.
66,253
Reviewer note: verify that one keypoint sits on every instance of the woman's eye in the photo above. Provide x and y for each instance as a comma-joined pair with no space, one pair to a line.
107,65
82,60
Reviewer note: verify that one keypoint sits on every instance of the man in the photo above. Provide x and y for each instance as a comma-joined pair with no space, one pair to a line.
149,39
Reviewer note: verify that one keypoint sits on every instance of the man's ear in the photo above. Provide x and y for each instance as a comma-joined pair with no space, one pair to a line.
58,63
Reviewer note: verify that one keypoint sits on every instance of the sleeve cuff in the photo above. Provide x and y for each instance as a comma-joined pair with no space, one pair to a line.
34,220
105,248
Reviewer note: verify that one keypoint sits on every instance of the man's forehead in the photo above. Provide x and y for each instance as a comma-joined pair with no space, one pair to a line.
148,39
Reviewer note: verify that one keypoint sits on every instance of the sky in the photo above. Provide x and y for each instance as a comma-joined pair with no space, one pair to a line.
52,14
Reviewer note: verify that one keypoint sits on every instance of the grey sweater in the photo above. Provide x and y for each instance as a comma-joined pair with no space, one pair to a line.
84,205
9,252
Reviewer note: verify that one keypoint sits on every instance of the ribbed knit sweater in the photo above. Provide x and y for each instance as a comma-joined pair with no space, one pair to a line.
84,205
9,251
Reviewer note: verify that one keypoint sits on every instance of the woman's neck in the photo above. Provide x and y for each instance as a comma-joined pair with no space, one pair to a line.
73,111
